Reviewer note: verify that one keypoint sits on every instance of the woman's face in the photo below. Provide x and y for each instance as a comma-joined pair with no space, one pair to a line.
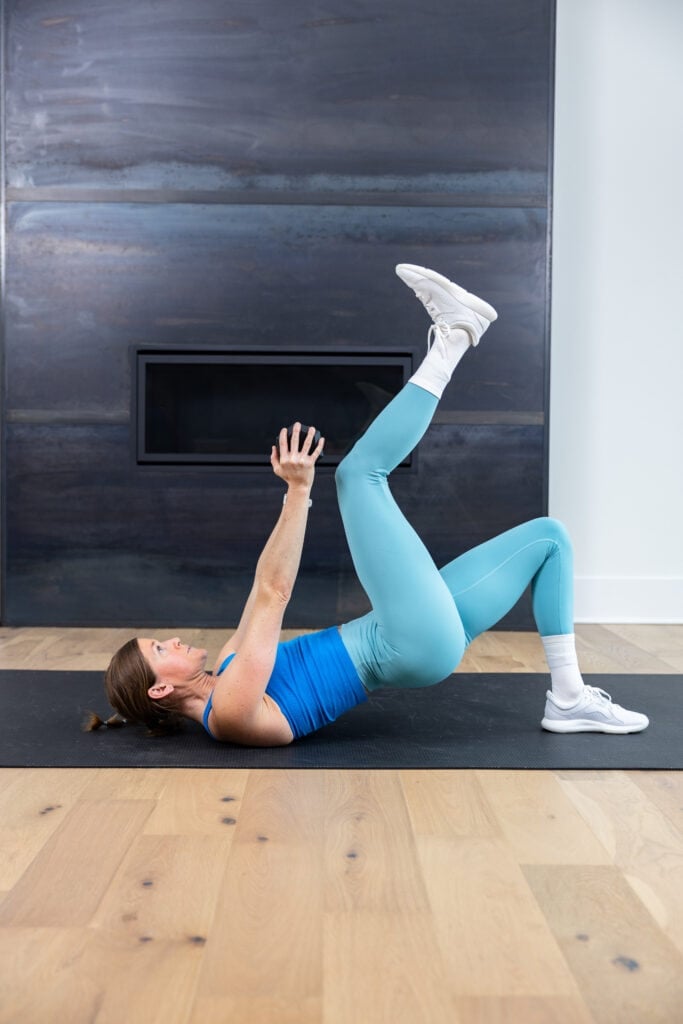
171,658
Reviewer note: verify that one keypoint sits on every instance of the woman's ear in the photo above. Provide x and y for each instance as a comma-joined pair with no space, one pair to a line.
160,690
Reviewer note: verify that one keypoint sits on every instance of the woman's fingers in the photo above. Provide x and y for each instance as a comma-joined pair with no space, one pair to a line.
308,441
319,450
289,446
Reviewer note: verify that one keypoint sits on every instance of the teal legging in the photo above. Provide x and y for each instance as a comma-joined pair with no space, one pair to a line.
423,618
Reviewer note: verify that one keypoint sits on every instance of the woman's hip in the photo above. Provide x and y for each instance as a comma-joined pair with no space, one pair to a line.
417,658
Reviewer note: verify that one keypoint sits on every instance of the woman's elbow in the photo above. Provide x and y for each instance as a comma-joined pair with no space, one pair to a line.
276,590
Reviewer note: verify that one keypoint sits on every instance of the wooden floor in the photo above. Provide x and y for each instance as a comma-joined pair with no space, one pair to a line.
343,897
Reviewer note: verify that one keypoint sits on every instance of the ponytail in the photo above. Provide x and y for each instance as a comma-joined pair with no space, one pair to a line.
93,721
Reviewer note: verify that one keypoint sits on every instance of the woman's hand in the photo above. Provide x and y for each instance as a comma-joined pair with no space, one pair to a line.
294,464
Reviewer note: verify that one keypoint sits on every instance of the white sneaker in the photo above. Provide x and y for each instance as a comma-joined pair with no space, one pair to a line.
593,712
449,305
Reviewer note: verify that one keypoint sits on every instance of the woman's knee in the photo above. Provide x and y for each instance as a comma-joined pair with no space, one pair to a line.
557,532
352,467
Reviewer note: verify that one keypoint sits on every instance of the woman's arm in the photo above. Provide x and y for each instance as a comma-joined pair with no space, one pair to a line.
297,516
299,488
238,698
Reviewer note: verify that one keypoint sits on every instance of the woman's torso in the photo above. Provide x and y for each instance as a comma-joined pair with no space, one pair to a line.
312,683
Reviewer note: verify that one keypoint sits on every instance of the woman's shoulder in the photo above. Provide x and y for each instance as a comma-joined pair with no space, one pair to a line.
268,728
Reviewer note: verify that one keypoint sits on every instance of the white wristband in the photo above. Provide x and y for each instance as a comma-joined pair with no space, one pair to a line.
284,500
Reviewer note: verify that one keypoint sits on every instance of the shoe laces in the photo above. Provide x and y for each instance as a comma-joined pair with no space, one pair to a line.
439,330
600,695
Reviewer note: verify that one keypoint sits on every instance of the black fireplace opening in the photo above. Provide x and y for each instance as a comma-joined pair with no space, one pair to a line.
226,407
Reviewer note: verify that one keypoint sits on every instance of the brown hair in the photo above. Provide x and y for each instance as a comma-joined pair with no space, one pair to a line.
126,682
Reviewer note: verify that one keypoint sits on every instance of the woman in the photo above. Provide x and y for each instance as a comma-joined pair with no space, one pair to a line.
266,693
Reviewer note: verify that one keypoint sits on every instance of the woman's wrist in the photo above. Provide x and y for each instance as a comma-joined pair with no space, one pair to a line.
300,494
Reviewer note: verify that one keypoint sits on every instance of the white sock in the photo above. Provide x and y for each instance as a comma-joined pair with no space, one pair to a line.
560,653
434,372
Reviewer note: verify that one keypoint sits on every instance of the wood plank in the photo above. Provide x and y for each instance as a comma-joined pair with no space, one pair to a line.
381,966
665,643
256,1010
165,889
42,978
370,857
162,899
522,1010
626,968
502,651
526,652
81,975
488,653
447,803
642,842
141,980
25,648
601,650
493,937
665,790
206,802
126,784
65,882
539,822
34,805
266,939
283,806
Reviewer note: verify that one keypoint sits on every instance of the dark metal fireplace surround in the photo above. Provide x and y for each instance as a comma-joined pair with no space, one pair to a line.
225,407
136,219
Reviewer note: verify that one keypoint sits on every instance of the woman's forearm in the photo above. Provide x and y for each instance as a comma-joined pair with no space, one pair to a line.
293,460
278,566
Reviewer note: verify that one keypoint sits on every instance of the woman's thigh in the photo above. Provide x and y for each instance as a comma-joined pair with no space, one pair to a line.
487,581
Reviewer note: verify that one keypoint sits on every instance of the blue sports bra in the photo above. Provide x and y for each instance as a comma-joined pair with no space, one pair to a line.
313,681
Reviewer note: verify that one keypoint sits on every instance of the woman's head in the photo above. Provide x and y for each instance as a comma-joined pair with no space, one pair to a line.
127,682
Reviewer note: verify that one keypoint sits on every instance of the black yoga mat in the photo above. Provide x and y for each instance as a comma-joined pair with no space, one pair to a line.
473,720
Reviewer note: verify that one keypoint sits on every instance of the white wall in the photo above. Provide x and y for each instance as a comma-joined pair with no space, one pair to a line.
616,401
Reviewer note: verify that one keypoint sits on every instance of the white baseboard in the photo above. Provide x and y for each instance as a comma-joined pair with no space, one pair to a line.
628,599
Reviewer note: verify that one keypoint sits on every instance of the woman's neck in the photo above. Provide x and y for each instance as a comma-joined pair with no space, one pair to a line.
194,702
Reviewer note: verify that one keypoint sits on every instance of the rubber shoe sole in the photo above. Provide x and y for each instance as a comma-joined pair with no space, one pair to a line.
586,725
